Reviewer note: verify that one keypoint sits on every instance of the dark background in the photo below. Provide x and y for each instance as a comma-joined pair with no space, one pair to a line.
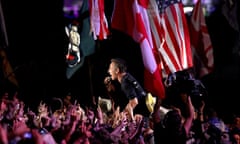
37,46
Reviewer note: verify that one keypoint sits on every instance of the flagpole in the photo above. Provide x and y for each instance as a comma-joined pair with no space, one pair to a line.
3,27
8,72
90,76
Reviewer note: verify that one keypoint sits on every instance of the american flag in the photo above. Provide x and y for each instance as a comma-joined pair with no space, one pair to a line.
201,42
170,35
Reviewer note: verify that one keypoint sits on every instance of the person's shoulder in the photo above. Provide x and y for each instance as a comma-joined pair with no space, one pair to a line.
130,77
125,77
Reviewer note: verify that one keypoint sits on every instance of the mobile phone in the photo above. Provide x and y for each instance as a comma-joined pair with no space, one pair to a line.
43,131
27,135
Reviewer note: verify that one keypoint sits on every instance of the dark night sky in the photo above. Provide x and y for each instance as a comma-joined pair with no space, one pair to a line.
38,42
36,47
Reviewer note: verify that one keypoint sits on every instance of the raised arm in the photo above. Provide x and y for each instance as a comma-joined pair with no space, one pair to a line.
189,119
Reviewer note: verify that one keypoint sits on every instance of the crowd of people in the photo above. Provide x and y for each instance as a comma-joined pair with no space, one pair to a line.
123,118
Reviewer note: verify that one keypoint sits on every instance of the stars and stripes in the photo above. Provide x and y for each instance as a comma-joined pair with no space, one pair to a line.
171,36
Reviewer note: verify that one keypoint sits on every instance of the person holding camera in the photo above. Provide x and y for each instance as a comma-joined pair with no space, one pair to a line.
174,128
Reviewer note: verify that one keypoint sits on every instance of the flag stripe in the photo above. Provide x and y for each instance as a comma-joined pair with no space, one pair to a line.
201,42
99,23
171,43
175,47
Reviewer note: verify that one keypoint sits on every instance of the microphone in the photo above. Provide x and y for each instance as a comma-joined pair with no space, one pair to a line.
107,80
